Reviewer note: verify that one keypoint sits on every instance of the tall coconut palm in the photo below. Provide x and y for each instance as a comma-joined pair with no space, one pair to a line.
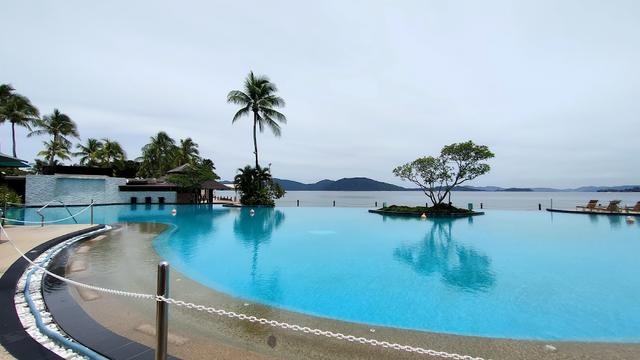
90,153
112,153
59,126
19,111
259,98
158,156
55,149
187,152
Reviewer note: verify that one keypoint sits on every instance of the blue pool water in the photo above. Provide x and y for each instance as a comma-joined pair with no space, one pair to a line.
511,274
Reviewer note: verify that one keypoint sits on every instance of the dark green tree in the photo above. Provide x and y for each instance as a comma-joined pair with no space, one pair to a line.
90,153
112,154
59,126
187,152
17,110
256,186
55,149
158,156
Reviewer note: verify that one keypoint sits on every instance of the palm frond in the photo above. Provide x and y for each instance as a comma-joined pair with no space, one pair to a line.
243,111
238,97
274,114
275,128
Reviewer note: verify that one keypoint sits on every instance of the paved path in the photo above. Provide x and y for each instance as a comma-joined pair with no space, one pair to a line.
28,237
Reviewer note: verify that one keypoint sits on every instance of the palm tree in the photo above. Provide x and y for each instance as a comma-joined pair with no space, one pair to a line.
90,154
112,153
59,126
17,110
187,152
54,149
6,90
259,97
246,181
158,156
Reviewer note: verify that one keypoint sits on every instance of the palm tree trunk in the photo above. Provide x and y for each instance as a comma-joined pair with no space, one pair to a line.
255,139
13,136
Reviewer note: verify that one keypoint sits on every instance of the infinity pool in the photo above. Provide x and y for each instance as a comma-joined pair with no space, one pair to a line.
508,274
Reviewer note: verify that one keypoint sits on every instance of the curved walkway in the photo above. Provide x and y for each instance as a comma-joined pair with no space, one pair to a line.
27,238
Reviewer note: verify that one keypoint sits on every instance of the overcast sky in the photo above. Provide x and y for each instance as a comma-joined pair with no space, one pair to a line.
552,87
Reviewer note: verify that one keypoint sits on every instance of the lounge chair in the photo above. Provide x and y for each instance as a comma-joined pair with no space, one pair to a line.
591,205
633,208
612,207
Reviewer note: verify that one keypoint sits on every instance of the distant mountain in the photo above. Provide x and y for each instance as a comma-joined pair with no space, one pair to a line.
344,184
366,184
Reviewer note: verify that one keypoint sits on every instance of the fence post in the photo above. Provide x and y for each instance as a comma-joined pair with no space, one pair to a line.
539,206
334,203
162,311
91,211
376,204
481,206
297,202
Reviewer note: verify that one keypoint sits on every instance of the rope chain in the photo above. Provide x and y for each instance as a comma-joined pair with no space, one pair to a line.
240,316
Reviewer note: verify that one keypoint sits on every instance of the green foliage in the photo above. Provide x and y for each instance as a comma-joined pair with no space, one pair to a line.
17,110
8,195
128,169
54,149
256,186
104,153
187,152
158,156
437,176
259,98
90,153
195,175
162,154
111,154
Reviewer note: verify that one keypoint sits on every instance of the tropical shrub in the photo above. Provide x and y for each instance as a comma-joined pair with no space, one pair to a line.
256,186
9,196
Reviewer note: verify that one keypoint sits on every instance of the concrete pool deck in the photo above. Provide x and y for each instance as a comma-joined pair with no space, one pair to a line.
27,238
196,335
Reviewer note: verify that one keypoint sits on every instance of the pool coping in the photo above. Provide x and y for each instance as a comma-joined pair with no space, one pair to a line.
13,336
596,212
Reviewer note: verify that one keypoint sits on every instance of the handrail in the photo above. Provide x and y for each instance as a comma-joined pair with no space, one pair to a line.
58,201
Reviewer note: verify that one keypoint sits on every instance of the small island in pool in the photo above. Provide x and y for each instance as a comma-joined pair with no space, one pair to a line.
440,210
438,175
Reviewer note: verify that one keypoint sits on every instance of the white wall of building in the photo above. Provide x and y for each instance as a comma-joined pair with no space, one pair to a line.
81,189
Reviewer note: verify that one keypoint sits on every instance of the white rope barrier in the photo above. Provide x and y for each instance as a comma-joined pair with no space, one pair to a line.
244,317
47,222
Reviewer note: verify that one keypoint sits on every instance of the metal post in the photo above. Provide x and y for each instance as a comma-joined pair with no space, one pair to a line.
334,203
481,206
539,206
162,311
4,209
297,202
376,204
91,211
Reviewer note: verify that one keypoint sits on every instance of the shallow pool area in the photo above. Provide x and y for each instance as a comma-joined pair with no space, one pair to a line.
507,274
